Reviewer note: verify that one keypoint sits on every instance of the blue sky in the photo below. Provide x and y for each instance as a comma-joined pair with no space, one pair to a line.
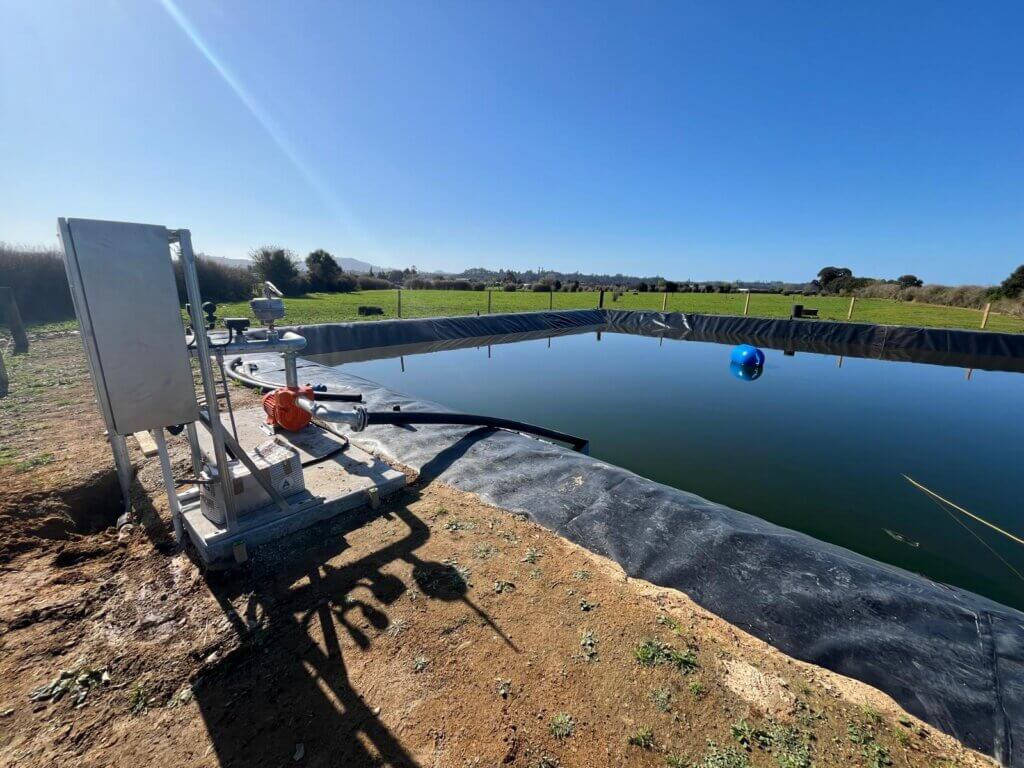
705,140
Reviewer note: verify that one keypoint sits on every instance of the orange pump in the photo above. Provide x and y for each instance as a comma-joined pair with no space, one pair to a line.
283,411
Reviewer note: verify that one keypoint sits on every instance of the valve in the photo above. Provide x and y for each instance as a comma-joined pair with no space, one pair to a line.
282,410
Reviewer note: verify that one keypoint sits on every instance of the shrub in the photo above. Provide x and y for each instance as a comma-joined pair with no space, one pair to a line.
509,288
39,282
322,271
541,288
367,283
278,266
217,282
1013,286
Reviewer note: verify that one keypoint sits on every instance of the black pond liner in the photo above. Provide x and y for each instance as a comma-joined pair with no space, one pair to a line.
951,657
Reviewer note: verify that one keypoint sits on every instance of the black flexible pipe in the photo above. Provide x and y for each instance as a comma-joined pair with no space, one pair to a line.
401,418
266,386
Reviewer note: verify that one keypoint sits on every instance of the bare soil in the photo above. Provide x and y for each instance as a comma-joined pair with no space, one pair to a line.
435,631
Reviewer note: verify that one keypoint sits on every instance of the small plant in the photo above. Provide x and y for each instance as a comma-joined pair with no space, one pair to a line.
397,627
455,626
588,646
562,726
503,586
876,755
504,687
668,621
653,653
643,738
581,575
789,746
677,761
586,606
459,525
662,699
729,757
420,663
535,573
697,689
137,699
545,762
484,551
531,556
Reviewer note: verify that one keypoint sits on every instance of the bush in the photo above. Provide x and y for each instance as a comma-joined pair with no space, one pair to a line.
509,288
479,287
217,282
278,266
541,288
367,283
322,271
39,282
1013,286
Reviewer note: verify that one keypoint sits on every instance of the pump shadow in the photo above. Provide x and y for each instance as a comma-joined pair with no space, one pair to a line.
287,684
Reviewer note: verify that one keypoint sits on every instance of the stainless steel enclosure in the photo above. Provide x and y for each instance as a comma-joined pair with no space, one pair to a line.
122,283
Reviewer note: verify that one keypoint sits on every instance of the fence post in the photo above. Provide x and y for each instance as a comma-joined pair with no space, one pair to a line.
399,302
664,301
4,382
488,302
849,312
551,299
12,317
984,314
600,304
746,304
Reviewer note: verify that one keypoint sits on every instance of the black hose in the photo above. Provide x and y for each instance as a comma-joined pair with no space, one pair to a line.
401,418
267,386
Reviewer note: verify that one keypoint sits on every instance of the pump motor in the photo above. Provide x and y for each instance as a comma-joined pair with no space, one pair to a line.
282,410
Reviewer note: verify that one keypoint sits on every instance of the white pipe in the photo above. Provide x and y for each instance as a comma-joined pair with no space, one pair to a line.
355,418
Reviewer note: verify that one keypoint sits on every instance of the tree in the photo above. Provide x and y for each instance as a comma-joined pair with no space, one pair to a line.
909,281
828,277
397,276
642,287
323,271
1013,286
278,266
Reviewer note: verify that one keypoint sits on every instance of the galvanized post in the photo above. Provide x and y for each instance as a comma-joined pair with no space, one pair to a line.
984,314
13,319
188,268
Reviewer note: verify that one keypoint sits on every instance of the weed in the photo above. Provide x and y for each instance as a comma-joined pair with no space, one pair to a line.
504,687
789,746
677,761
531,556
729,757
871,714
397,627
441,512
588,644
509,536
587,606
36,461
535,573
562,726
459,525
581,575
876,755
903,738
545,762
455,626
503,586
420,663
697,689
662,699
654,653
668,621
643,738
484,551
138,702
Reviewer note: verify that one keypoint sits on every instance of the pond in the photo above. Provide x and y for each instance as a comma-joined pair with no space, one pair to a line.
817,443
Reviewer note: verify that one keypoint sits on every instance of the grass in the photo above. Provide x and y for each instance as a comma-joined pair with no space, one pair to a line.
343,307
562,726
643,738
654,653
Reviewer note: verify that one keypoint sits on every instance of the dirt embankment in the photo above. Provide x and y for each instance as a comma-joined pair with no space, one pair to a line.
436,631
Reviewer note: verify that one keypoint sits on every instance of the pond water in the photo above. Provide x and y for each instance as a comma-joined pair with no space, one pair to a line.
819,444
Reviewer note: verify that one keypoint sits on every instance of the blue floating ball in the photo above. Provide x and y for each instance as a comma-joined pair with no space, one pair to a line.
746,372
744,354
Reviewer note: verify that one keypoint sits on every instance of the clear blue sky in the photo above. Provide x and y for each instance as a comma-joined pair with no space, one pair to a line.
698,140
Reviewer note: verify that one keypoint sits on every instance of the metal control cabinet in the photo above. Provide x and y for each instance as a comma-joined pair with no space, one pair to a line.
122,284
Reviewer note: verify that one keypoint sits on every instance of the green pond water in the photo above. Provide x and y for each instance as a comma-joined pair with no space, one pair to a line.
817,444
